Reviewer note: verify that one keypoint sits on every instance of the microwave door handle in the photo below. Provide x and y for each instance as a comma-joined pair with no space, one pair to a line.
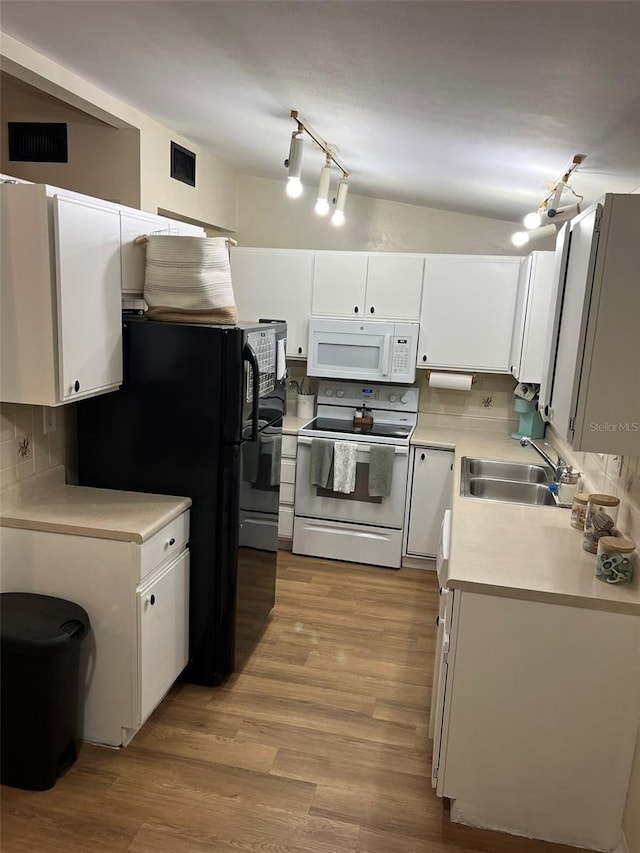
385,355
252,359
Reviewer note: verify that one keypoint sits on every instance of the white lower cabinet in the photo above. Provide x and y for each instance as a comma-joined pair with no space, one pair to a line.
287,488
137,600
536,711
429,495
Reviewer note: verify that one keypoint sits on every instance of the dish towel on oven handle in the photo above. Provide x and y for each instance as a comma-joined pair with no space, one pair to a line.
321,463
344,466
381,457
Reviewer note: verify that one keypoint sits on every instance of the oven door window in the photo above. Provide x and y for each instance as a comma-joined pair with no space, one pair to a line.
312,501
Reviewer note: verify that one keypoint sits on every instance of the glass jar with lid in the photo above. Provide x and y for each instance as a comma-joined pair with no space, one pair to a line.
616,560
579,510
600,520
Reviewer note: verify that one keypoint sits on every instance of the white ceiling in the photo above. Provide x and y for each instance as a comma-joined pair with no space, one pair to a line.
466,106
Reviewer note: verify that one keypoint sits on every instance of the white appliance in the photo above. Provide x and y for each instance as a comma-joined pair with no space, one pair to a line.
355,527
364,351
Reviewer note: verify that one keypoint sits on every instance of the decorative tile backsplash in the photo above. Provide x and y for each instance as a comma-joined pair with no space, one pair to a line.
25,447
488,405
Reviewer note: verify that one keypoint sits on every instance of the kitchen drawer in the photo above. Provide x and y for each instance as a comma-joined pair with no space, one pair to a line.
288,471
285,523
166,543
287,492
289,445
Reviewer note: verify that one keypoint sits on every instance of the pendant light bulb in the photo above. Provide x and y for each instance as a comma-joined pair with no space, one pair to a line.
341,199
532,220
322,203
520,238
294,187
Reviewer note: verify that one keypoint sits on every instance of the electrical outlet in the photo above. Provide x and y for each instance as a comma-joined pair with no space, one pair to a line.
618,462
48,419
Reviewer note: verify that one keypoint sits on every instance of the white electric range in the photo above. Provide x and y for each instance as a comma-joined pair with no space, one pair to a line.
355,527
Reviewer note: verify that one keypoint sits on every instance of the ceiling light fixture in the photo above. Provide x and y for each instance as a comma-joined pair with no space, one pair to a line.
521,238
549,213
294,164
341,200
322,201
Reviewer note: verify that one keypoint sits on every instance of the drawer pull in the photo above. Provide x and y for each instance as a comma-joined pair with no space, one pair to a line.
171,542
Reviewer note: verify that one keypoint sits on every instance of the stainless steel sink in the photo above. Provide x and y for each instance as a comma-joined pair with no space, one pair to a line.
510,491
510,482
518,471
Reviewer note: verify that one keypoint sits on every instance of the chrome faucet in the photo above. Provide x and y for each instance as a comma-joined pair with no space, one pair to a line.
560,467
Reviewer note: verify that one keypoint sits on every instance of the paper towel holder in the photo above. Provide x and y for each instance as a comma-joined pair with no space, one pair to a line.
428,373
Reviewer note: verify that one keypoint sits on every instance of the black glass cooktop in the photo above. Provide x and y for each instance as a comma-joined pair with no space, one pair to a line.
344,426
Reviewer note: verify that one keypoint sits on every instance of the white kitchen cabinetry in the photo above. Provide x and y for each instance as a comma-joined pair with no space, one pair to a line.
61,335
287,489
137,599
381,285
536,292
275,284
135,223
429,495
468,307
592,391
536,717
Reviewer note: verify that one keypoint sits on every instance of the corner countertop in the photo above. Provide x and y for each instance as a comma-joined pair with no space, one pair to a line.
292,425
518,551
97,513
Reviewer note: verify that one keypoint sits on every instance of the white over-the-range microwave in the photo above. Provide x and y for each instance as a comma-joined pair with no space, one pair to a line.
351,349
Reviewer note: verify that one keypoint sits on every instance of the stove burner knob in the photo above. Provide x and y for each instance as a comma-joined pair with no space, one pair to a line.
404,398
328,392
339,393
392,398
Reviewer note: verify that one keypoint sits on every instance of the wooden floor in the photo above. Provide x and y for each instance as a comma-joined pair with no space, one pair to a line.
319,745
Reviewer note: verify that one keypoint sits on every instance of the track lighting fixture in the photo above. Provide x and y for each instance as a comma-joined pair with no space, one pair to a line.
294,162
341,200
521,238
542,222
322,202
294,165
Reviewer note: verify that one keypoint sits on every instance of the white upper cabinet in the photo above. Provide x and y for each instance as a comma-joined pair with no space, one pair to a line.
61,337
592,389
339,284
386,286
468,307
275,284
536,291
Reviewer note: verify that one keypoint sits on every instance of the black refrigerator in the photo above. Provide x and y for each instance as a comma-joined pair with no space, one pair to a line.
200,414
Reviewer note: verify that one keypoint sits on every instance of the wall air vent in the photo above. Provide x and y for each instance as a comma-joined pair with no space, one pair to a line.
38,142
183,164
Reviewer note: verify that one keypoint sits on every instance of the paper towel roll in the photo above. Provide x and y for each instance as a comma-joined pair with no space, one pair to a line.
452,381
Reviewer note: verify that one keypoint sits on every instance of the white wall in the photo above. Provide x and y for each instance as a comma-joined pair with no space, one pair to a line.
211,202
268,217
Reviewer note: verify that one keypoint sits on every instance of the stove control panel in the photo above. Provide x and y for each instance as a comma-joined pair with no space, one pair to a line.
389,397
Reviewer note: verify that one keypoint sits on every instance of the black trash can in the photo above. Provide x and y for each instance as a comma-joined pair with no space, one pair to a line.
40,668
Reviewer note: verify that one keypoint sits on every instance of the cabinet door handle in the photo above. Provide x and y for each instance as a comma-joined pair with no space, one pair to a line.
355,309
299,350
442,590
151,600
76,386
437,621
423,456
372,309
424,358
171,542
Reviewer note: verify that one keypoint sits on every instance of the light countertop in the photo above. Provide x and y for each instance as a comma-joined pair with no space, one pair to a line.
520,551
291,425
98,513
